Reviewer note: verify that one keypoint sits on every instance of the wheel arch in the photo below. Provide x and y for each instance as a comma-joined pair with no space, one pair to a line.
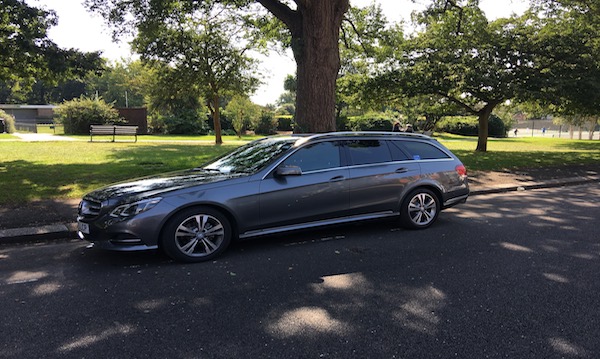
436,189
222,209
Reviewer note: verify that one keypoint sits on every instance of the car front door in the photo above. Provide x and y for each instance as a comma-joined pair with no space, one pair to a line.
320,192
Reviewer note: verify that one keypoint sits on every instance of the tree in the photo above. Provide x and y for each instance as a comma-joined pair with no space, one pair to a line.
243,113
461,56
205,50
313,27
568,58
175,105
123,83
26,53
368,41
287,99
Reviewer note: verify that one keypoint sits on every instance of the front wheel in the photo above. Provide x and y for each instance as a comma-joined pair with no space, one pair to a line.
196,235
420,209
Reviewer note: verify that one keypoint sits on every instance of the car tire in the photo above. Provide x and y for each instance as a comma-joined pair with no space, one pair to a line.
196,234
420,209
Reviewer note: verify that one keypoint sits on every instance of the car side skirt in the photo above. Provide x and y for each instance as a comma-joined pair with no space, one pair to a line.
315,224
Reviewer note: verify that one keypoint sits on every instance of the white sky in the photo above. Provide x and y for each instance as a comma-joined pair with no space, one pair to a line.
80,29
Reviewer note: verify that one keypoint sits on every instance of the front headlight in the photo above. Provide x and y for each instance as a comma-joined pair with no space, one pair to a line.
131,209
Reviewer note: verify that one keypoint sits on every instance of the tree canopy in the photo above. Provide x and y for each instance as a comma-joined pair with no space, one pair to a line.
313,27
26,52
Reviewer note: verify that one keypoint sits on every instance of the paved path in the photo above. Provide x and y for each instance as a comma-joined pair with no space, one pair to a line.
34,137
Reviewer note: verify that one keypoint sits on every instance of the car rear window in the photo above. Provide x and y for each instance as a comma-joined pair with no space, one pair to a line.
368,151
424,151
398,154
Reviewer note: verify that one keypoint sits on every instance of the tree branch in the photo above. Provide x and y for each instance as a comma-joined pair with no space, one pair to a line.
281,11
362,44
452,3
458,102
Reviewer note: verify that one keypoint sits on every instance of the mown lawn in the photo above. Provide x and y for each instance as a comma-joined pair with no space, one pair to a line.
522,152
42,170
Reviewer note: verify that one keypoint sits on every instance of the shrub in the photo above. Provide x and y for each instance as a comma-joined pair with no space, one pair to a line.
369,122
341,123
469,126
496,127
267,124
77,115
285,122
184,122
9,122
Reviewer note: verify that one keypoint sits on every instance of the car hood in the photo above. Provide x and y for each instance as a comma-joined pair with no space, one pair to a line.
155,185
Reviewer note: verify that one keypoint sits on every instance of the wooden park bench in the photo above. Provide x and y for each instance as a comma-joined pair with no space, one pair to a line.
112,130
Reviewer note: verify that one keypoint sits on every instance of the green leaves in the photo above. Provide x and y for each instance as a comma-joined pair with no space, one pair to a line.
27,53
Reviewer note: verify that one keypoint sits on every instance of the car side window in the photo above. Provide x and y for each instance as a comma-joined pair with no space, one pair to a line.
320,156
398,154
364,152
424,151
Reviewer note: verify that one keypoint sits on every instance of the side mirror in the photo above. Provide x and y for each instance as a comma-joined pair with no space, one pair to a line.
283,171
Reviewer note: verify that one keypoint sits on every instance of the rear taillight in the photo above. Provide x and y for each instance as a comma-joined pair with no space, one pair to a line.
461,170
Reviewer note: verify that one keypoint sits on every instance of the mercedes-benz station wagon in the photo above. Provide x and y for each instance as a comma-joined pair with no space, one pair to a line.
277,184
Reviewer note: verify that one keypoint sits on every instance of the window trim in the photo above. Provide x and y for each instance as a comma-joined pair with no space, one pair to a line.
405,149
343,158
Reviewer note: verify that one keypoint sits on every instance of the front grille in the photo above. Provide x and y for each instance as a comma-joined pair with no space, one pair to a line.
89,209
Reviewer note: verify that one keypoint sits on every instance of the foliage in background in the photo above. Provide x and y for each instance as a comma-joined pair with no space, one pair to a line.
123,83
29,58
267,124
181,122
9,122
77,115
369,122
469,126
285,122
204,48
243,113
367,40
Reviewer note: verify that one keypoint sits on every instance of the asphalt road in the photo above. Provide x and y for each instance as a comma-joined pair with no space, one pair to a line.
504,276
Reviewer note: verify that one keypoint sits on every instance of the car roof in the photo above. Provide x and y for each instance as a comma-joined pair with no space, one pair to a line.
303,138
349,134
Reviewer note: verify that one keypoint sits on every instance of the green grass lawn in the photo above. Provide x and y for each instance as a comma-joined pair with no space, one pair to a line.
42,170
522,152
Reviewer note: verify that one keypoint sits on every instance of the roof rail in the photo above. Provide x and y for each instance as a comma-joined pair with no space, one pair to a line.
368,133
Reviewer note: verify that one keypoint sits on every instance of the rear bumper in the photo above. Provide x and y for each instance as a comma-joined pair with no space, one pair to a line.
457,198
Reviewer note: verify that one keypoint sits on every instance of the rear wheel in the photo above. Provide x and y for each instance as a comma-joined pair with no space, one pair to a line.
420,209
196,235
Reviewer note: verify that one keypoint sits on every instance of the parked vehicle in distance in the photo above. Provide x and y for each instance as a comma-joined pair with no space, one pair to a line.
277,184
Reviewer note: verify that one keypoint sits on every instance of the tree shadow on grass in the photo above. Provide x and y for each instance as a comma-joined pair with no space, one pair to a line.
24,180
509,161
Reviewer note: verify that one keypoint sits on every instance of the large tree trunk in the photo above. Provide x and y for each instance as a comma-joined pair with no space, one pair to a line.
315,27
216,115
484,117
318,58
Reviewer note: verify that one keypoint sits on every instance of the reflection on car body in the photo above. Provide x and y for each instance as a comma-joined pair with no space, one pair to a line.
277,184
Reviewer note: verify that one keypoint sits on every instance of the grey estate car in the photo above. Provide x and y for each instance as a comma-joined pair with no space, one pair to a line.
273,185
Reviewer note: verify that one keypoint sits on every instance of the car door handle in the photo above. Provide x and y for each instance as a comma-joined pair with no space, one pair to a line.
402,170
337,179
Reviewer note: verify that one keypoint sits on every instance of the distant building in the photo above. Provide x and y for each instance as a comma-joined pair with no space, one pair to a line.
28,116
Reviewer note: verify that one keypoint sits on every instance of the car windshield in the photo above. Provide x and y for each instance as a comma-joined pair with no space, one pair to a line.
251,157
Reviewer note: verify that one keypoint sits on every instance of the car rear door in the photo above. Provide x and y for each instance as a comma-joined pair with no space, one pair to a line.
379,171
